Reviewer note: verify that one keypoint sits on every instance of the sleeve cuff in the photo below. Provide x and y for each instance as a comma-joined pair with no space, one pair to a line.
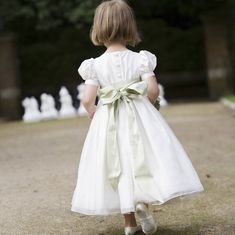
147,75
92,82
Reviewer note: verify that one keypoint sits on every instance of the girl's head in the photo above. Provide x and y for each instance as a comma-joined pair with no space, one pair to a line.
114,22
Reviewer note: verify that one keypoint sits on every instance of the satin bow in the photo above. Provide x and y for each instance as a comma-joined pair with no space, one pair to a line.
112,96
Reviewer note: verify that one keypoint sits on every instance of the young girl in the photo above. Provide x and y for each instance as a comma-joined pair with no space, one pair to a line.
130,157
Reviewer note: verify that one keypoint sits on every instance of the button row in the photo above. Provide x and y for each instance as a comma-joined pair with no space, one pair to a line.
118,64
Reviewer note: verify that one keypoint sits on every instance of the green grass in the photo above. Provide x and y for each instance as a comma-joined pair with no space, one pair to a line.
230,98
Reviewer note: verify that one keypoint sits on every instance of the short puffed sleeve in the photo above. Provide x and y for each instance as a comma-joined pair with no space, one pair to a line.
88,73
148,63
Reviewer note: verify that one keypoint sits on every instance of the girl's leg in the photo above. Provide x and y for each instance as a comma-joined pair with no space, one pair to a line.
130,220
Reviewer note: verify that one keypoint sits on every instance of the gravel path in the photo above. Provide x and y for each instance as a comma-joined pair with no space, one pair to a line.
38,170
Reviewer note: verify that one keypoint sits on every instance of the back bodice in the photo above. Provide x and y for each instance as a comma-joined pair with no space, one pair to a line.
117,66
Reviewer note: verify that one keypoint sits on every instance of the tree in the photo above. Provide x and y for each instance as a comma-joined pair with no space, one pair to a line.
177,13
33,19
49,14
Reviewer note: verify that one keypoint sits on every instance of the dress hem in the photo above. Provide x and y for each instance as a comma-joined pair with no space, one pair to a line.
131,209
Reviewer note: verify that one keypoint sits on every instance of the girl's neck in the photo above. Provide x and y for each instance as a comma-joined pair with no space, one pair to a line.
115,47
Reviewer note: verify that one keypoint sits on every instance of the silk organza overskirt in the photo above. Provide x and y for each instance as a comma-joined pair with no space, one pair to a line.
168,163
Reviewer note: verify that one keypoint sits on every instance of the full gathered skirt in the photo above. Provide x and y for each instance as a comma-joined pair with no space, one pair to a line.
168,162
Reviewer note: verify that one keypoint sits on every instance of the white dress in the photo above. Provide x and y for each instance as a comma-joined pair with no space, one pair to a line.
172,171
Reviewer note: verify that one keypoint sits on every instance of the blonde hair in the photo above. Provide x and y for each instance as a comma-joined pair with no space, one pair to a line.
114,21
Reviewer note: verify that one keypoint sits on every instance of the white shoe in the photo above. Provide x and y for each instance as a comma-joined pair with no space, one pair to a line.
132,230
147,221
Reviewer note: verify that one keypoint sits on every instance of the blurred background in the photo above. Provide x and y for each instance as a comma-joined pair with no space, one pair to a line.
43,42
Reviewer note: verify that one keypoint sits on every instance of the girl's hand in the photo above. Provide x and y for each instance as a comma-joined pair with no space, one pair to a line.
91,113
88,99
153,90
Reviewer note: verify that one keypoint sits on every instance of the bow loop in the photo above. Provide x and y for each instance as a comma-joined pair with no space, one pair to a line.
132,89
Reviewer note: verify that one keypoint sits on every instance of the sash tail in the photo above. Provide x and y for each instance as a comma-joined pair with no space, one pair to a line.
112,96
112,154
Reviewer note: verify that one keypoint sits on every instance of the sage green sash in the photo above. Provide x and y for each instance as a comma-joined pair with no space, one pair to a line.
112,96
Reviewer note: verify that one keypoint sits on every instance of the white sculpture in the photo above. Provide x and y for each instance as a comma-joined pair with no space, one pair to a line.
48,109
163,101
81,110
67,110
31,110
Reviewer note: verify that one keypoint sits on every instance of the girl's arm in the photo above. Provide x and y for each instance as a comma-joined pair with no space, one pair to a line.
88,100
153,90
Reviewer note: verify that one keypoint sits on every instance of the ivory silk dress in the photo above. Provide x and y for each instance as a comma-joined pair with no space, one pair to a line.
141,160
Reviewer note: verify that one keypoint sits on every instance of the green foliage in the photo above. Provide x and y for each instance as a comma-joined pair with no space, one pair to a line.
177,13
230,98
49,14
53,58
177,49
53,37
8,9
